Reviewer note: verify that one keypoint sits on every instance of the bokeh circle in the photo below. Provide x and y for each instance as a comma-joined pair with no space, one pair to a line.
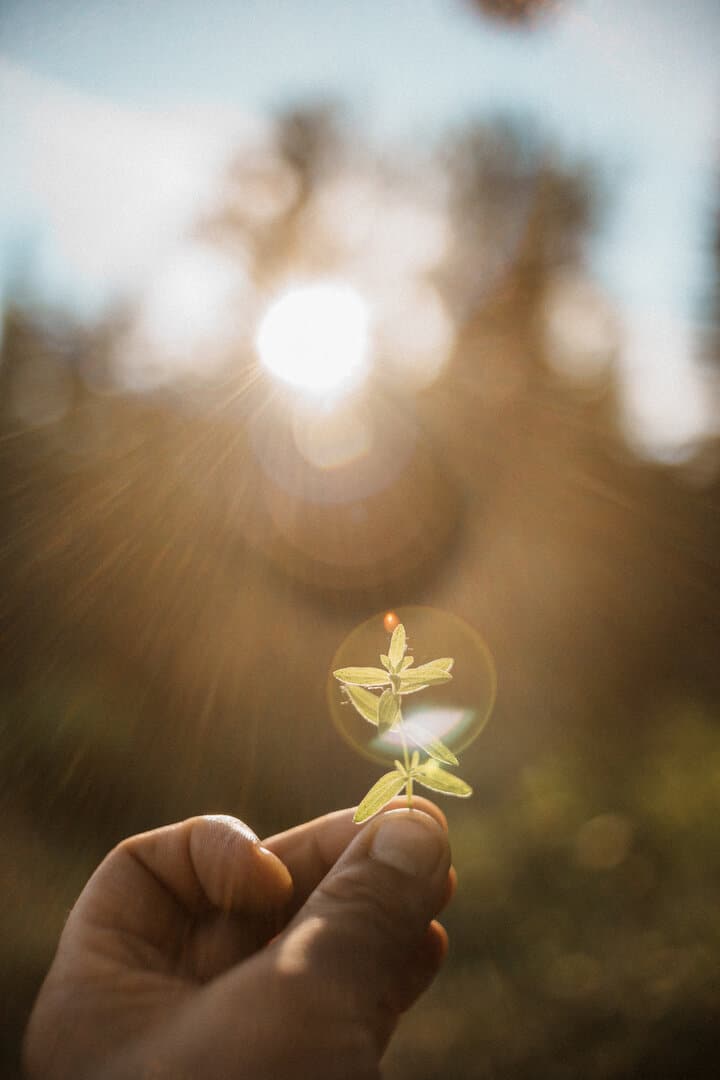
455,712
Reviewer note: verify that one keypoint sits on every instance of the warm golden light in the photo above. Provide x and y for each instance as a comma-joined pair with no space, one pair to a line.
315,337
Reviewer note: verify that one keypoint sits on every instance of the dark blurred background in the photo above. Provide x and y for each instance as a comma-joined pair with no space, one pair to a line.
508,218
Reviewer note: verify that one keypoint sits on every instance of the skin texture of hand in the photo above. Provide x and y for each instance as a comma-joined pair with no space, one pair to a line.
196,953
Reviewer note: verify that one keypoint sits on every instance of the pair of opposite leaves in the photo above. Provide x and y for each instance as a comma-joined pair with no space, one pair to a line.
397,678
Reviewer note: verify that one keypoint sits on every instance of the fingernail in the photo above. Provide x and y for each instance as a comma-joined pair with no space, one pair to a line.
235,824
408,843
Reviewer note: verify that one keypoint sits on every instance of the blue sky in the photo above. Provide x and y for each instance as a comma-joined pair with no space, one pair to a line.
635,86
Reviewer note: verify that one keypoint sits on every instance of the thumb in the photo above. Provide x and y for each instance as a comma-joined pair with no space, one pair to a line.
363,940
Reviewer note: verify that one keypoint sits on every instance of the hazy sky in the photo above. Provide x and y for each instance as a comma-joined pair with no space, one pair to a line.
85,88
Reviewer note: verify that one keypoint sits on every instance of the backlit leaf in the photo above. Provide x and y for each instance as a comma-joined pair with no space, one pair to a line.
406,663
397,648
427,742
425,675
362,676
388,710
445,662
410,688
365,702
430,672
385,661
382,792
432,775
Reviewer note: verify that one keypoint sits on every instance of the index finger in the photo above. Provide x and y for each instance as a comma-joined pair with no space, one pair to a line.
309,851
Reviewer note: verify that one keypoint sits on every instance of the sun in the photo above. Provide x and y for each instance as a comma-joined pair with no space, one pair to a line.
316,337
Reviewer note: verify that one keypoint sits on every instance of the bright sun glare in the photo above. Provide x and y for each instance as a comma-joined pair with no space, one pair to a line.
316,337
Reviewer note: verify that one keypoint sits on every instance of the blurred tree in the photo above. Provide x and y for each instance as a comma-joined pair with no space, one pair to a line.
714,345
516,11
166,646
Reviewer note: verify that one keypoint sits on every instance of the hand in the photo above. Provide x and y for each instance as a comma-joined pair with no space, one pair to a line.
195,953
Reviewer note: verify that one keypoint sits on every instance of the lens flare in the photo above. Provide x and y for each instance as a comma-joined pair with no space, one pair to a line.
316,337
455,712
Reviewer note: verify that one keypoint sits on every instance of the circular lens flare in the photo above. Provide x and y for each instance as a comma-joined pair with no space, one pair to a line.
316,337
454,712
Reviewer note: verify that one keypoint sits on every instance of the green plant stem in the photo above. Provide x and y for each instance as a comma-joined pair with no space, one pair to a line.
406,758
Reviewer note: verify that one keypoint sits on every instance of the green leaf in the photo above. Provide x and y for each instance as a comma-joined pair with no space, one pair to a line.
430,672
397,647
445,662
425,675
362,676
400,768
409,688
432,775
406,663
388,710
380,793
427,742
415,760
385,661
365,702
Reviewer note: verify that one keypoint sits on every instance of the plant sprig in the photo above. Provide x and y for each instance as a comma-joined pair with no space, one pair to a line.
396,679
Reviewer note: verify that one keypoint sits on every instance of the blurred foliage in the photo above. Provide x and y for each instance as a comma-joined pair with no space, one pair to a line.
586,926
516,12
165,652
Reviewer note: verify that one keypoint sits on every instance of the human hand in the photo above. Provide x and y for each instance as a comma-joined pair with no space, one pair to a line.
195,953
